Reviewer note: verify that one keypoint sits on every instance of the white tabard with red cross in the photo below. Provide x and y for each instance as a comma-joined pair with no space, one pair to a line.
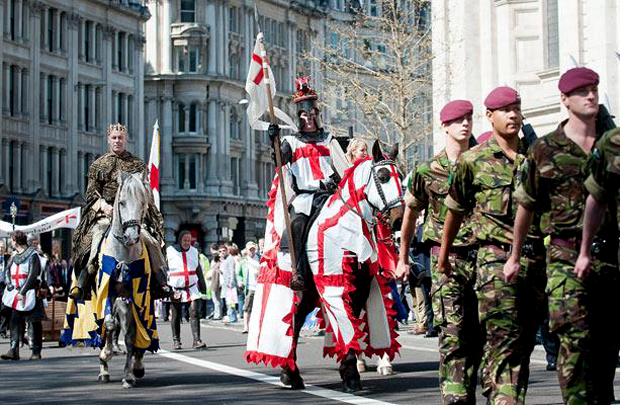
19,274
311,166
182,275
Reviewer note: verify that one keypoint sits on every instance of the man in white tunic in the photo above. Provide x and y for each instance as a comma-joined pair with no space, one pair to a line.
186,280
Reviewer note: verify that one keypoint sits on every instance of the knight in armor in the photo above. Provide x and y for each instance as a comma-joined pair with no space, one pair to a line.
312,175
185,278
22,283
97,213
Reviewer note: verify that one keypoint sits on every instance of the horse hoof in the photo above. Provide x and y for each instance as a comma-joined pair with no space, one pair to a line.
284,378
138,372
351,386
129,384
104,378
387,370
292,378
116,349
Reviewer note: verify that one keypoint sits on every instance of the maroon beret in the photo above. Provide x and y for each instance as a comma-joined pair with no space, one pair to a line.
501,97
575,78
484,136
455,109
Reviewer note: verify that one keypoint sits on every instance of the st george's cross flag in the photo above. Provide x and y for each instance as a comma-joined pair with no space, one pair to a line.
256,88
154,165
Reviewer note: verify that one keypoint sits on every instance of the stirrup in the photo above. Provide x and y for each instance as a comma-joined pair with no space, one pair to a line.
76,293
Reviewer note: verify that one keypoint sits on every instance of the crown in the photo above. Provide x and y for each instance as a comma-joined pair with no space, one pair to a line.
117,127
304,92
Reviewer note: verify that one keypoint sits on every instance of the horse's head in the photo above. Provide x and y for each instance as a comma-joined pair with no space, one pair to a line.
132,200
384,191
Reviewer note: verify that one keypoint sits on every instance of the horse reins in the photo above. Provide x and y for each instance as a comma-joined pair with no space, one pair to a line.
388,205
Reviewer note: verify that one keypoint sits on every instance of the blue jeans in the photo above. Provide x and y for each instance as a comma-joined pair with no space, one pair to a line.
241,295
232,313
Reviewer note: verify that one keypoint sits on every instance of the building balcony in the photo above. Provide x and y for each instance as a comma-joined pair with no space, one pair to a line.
190,143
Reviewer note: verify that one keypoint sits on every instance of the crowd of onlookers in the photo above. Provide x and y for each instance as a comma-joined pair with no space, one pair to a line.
230,275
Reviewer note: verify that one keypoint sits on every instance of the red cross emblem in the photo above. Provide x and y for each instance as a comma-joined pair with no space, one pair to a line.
185,273
313,153
16,277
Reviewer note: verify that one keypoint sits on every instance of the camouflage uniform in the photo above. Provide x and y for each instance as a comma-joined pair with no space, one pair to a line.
605,171
454,299
553,177
510,313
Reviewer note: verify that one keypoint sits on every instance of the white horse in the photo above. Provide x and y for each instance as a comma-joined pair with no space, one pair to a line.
341,237
125,243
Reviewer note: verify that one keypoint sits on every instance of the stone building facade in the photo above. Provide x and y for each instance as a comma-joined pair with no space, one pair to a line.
215,171
68,69
526,44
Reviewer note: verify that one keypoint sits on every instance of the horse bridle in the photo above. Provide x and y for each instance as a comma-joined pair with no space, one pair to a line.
125,224
388,205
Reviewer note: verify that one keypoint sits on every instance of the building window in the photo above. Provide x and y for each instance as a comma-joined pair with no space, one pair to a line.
61,99
181,118
130,116
233,25
553,35
98,108
122,37
192,172
98,44
234,125
372,8
180,60
50,29
87,51
87,108
193,60
131,47
50,99
234,171
121,108
188,11
50,177
181,167
61,31
193,117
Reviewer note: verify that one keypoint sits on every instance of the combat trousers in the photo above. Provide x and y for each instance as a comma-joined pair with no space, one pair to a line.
460,338
510,315
581,313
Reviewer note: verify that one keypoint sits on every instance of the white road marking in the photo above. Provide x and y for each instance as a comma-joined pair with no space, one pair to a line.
408,347
310,389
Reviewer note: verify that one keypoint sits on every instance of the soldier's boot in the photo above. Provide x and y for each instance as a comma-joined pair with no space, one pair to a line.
37,340
175,324
195,325
298,225
84,283
13,353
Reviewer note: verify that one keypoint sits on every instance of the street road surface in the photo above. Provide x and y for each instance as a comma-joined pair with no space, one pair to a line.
220,375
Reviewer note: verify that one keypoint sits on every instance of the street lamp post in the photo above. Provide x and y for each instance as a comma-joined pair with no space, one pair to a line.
13,212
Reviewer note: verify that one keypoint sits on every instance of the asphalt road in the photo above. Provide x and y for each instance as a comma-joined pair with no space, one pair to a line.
220,375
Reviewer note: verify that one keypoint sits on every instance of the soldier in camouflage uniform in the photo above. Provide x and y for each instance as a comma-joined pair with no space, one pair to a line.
510,313
602,183
96,214
454,299
553,177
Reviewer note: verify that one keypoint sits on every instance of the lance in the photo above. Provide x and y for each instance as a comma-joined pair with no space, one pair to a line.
276,144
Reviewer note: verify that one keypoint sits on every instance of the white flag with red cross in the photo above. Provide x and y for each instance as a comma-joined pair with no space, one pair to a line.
154,165
256,87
